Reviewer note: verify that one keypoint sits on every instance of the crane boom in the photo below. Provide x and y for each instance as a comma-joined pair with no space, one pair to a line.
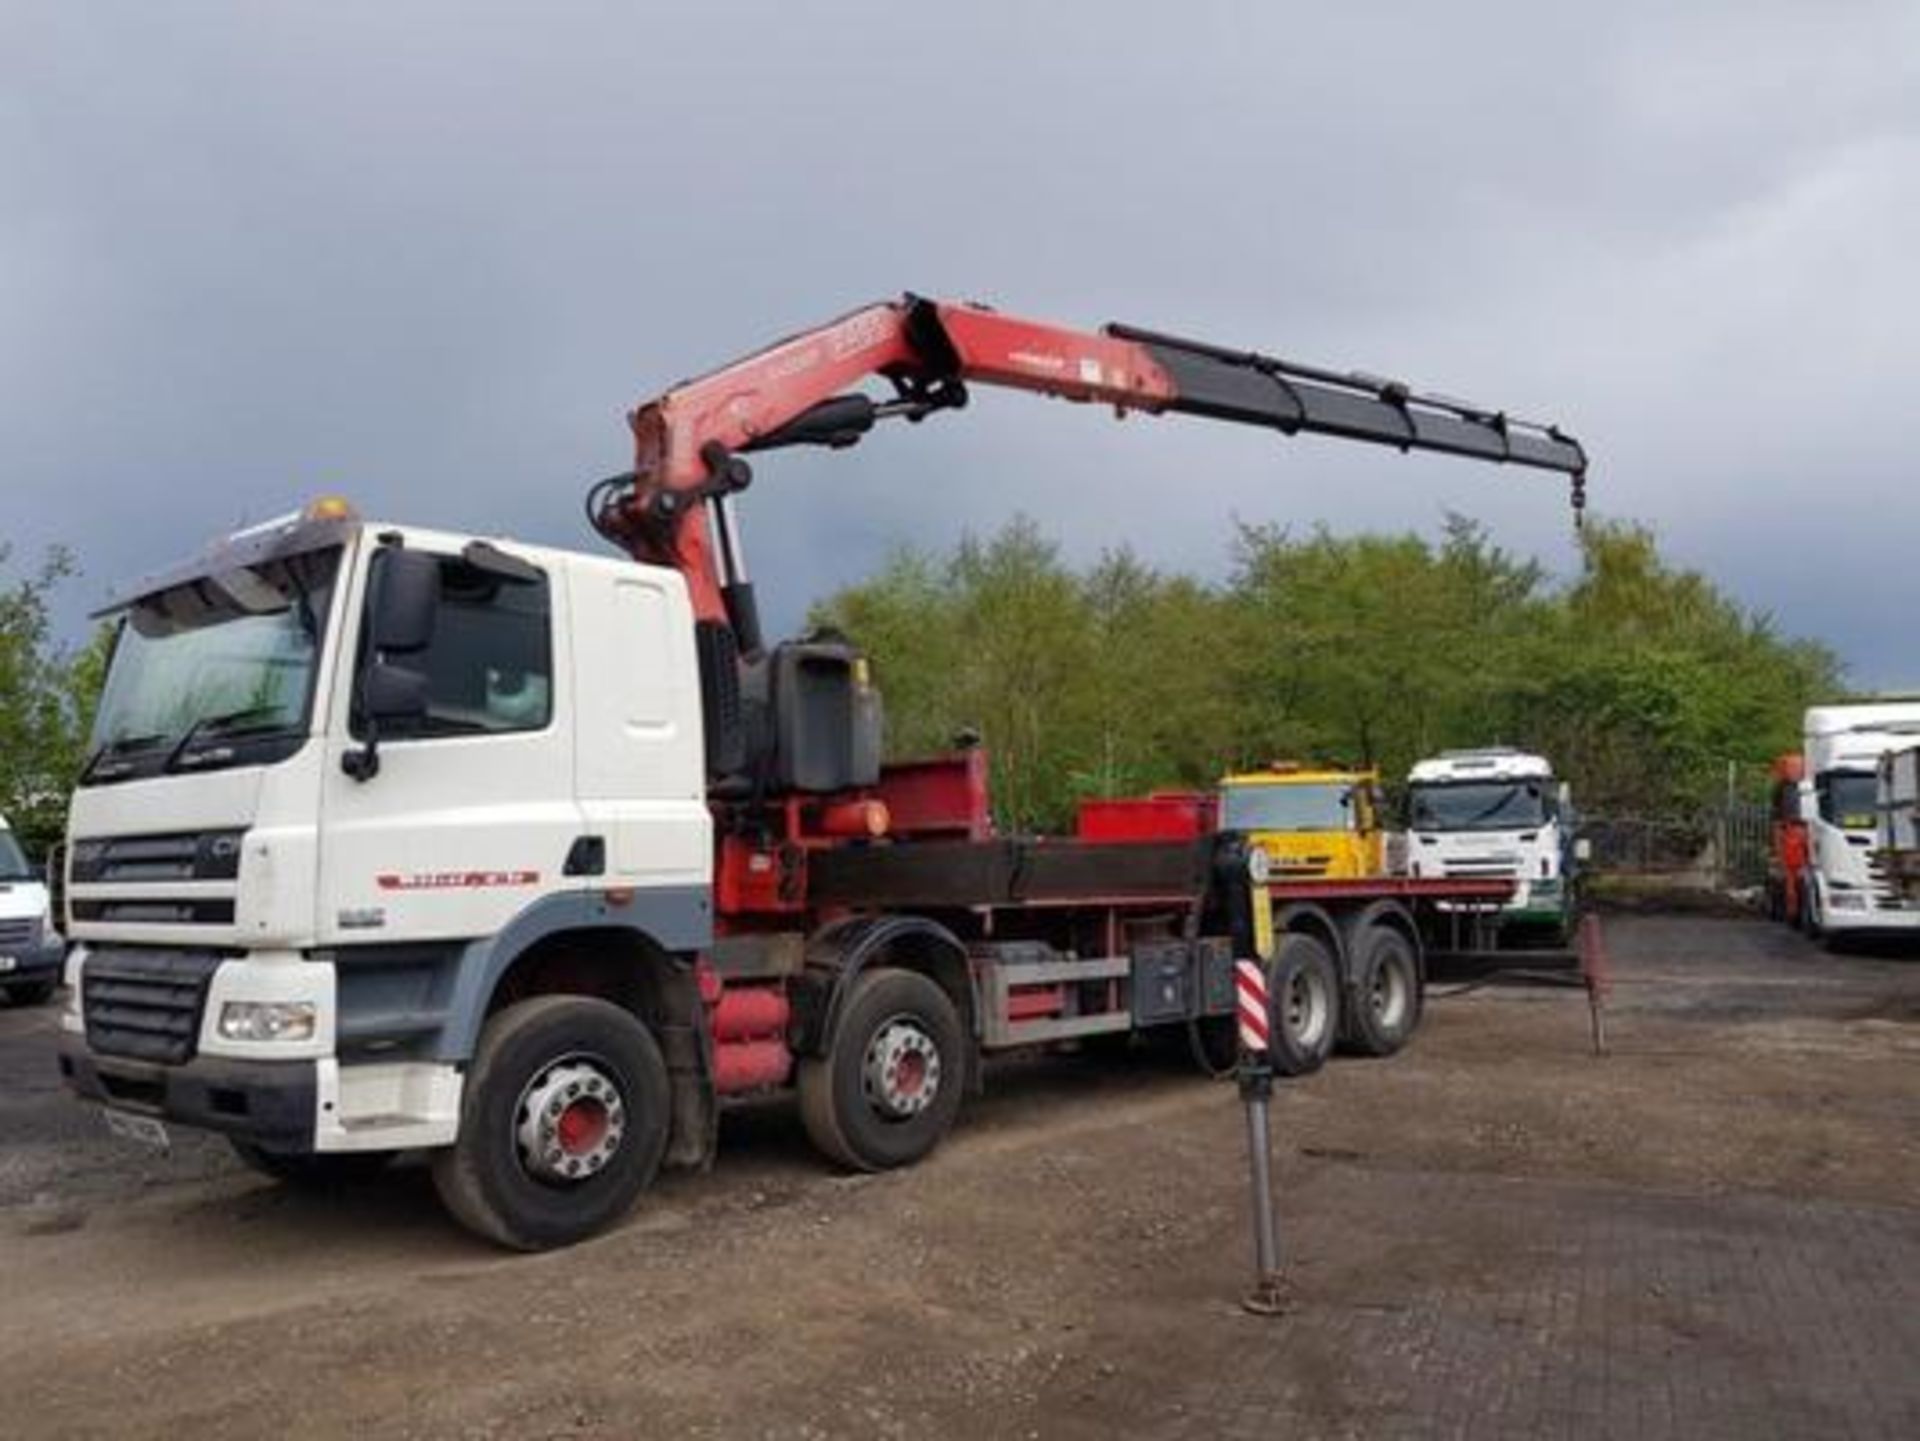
673,507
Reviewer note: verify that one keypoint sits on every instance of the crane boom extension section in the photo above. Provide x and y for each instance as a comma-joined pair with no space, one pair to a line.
796,392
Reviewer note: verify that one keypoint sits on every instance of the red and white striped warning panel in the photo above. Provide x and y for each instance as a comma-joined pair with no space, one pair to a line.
1250,983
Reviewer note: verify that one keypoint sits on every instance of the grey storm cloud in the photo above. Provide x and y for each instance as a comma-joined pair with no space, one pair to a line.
428,254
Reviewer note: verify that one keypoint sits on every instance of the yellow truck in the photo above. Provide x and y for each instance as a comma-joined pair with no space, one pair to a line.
1313,824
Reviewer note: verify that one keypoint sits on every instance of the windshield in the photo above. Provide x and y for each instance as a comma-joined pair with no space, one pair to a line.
1318,806
13,860
1478,806
1849,799
212,671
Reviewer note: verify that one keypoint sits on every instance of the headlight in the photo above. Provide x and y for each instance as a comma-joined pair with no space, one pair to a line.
1259,865
267,1020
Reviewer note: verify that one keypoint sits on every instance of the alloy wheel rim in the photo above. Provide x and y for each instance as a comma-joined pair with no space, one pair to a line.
570,1121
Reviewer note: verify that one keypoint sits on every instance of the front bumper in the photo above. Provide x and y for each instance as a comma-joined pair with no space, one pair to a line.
1871,922
270,1103
35,964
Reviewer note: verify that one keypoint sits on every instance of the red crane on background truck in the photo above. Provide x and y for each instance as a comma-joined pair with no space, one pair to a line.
543,856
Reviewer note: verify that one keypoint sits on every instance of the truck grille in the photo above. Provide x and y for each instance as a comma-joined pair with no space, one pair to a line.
146,1004
1301,867
17,932
1880,881
1483,870
183,856
155,911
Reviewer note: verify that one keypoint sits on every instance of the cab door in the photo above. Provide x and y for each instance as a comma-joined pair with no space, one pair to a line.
470,813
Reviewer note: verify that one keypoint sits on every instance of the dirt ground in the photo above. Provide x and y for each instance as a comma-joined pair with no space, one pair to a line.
1714,1231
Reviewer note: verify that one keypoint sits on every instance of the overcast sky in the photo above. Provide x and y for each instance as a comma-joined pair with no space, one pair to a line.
427,255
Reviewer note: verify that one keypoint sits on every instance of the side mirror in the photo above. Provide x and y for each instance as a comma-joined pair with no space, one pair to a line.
392,692
401,610
406,602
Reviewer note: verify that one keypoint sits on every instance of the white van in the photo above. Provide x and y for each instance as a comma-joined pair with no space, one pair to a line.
31,950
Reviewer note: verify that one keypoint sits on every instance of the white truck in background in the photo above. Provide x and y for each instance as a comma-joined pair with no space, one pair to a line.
1497,813
1897,832
31,949
1848,889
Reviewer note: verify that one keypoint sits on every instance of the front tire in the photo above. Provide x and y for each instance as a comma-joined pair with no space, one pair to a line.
563,1124
890,1085
38,993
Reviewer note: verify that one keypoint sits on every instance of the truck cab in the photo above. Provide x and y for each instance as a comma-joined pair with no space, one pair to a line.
31,950
342,774
1848,890
1496,813
1312,824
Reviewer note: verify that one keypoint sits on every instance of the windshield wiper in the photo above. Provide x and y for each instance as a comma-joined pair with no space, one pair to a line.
228,724
119,745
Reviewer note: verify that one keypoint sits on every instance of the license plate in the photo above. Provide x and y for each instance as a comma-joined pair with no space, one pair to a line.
142,1130
7,963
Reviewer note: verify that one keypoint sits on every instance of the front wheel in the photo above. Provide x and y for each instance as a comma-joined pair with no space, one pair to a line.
563,1124
37,993
890,1084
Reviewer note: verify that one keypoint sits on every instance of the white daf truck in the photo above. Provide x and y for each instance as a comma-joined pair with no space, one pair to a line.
227,831
1849,893
1497,813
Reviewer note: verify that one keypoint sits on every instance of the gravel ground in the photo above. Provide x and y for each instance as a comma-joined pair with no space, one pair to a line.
1715,1230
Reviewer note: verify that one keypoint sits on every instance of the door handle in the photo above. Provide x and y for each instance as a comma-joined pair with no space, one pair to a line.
587,856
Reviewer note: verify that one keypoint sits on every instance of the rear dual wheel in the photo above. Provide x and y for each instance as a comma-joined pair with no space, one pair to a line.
1384,993
1376,1016
1303,998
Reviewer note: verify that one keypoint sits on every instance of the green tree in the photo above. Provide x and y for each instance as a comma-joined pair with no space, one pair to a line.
1640,680
1652,680
1378,649
47,695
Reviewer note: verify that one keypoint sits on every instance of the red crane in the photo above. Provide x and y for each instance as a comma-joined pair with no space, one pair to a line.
674,507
